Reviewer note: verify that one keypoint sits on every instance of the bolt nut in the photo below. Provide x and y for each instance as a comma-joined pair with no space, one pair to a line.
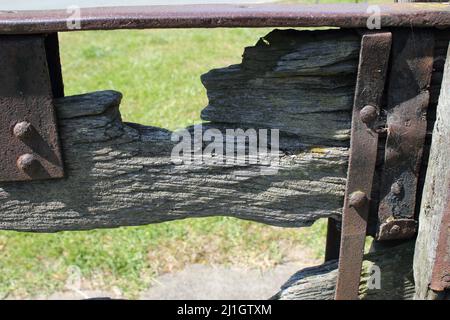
28,163
368,114
22,130
357,199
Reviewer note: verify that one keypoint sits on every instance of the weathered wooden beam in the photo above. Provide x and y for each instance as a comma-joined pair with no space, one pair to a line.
435,198
395,277
122,174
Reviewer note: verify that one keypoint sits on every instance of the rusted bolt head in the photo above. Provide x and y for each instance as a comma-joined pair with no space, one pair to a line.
22,130
28,163
395,229
357,199
368,114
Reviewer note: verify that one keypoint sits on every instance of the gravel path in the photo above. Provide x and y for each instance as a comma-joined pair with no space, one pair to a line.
199,282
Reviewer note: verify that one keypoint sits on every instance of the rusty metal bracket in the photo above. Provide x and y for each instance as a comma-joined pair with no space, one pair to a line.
373,64
406,124
30,148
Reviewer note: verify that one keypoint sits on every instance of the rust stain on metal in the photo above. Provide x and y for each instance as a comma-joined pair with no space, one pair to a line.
373,64
28,134
440,280
408,99
211,16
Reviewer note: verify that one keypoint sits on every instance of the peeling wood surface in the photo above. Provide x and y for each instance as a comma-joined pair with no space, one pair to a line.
396,278
302,82
435,193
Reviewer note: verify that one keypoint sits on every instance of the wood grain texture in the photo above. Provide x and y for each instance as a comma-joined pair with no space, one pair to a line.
121,174
300,81
396,281
435,193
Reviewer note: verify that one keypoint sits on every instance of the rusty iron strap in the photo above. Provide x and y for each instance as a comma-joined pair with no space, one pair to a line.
343,15
407,103
373,64
29,141
440,280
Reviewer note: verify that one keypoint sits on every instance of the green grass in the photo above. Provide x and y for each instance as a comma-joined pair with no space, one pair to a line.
158,73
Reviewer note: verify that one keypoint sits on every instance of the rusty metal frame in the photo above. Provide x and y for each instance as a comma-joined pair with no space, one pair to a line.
373,65
405,128
28,130
345,15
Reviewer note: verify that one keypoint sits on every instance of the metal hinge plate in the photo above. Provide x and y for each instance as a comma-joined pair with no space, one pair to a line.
406,126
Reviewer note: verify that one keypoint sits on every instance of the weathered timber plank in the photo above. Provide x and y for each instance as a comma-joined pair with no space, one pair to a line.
435,195
122,174
396,277
301,81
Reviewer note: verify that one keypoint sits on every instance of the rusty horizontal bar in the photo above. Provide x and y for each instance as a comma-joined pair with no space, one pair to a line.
212,16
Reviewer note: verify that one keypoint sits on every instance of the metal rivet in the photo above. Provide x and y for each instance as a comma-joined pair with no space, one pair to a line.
28,163
368,114
22,130
395,229
357,199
